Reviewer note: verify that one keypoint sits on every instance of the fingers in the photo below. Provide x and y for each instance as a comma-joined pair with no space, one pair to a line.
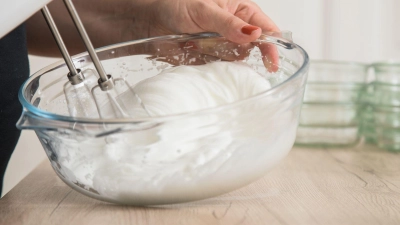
180,53
243,26
241,22
264,22
213,18
269,52
251,13
221,48
270,56
200,51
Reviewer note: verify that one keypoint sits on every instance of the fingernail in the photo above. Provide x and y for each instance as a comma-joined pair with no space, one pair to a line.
248,29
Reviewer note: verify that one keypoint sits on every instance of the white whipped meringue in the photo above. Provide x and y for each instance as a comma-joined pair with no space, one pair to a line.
190,88
193,157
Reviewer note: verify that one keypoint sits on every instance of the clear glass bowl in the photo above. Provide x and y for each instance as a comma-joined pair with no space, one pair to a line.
173,158
387,72
329,115
383,94
333,92
331,104
328,125
329,71
380,114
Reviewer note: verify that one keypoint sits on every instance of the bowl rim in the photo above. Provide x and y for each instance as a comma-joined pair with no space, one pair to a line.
354,64
386,63
48,115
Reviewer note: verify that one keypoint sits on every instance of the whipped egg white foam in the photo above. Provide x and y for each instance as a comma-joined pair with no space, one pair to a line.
193,157
190,88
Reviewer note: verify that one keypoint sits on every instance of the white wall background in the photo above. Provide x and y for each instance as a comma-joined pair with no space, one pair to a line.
350,30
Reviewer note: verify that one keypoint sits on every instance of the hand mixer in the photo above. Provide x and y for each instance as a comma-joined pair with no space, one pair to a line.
110,98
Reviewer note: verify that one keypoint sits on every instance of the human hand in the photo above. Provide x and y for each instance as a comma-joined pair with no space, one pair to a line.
108,22
240,21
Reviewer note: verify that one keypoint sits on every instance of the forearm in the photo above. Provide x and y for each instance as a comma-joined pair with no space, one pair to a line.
106,22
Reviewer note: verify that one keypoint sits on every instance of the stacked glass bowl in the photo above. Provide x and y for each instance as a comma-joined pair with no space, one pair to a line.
380,117
331,105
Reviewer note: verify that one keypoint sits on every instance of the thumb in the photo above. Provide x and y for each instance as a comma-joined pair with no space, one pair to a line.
228,25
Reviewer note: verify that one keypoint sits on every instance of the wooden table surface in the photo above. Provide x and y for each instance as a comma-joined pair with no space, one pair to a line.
354,186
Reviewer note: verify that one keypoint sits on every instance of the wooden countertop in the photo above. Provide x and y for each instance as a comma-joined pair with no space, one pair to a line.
359,185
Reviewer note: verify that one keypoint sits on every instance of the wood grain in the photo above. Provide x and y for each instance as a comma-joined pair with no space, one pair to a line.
353,186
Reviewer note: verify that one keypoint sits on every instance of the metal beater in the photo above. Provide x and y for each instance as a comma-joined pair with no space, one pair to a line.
110,98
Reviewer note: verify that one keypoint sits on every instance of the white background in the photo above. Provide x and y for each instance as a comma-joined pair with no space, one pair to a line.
346,30
351,30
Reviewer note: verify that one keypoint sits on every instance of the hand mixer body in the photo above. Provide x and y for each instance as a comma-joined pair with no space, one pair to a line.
13,13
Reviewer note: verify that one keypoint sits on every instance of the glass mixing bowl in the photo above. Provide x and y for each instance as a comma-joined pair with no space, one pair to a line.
173,158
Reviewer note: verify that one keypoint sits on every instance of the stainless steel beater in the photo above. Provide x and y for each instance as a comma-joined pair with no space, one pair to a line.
110,98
